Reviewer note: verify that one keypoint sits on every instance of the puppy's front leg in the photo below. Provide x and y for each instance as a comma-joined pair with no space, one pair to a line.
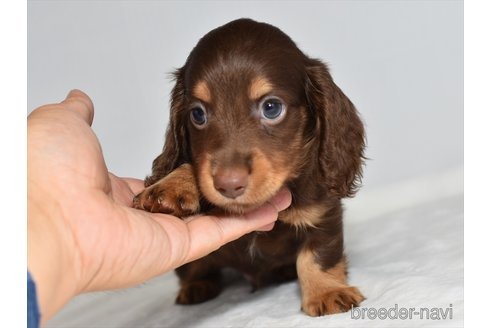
176,194
324,283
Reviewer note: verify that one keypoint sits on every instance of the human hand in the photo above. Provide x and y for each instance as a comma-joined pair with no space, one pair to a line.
83,234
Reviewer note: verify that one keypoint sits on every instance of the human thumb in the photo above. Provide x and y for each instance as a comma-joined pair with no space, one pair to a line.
80,103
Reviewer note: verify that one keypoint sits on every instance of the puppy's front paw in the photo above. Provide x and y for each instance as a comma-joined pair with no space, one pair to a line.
197,292
159,199
175,194
334,301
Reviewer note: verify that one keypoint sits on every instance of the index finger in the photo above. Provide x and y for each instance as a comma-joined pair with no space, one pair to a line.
208,233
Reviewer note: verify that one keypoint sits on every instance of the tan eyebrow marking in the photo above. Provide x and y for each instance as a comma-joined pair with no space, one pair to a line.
259,87
202,92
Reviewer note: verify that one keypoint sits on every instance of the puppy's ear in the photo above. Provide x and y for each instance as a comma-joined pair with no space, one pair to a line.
175,151
341,132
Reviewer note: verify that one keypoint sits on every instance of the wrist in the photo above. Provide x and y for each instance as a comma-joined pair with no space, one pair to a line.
51,255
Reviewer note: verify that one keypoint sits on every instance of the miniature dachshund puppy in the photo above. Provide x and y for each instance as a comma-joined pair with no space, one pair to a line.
250,114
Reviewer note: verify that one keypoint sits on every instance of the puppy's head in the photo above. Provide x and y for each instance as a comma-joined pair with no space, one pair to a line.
252,112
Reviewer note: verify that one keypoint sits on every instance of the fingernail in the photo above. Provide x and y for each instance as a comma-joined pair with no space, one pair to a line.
71,93
282,200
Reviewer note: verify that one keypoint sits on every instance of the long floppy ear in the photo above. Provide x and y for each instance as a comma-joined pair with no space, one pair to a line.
175,150
341,132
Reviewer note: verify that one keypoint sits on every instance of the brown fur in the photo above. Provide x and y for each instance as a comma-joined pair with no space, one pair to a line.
304,217
315,149
176,194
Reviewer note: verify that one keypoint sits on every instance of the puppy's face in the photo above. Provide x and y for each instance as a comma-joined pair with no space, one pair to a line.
246,114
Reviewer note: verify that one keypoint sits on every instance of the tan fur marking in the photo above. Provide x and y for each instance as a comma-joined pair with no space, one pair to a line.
304,217
259,87
202,92
313,279
175,194
263,183
325,291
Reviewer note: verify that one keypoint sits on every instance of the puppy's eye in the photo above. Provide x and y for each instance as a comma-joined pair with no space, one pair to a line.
198,116
272,110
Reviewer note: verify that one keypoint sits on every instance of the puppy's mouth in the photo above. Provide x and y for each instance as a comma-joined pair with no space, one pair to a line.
247,201
240,188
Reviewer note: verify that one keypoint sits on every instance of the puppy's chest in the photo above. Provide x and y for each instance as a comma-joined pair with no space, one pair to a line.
289,233
279,245
304,217
261,251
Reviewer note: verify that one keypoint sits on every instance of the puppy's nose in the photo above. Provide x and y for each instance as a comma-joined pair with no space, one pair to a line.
231,182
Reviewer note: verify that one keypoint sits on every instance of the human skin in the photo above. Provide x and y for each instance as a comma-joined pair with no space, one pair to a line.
84,235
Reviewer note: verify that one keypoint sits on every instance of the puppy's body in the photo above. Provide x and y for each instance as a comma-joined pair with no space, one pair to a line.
250,113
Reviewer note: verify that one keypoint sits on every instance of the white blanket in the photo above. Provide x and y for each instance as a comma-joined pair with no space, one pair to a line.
407,261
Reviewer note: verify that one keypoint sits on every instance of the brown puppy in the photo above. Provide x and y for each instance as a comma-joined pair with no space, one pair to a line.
250,113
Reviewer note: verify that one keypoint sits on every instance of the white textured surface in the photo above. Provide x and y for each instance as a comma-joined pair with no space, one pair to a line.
412,257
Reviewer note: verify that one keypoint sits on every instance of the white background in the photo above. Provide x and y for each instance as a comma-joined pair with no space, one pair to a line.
400,62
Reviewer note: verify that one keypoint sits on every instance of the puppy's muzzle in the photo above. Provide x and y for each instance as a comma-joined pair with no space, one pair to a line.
231,182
